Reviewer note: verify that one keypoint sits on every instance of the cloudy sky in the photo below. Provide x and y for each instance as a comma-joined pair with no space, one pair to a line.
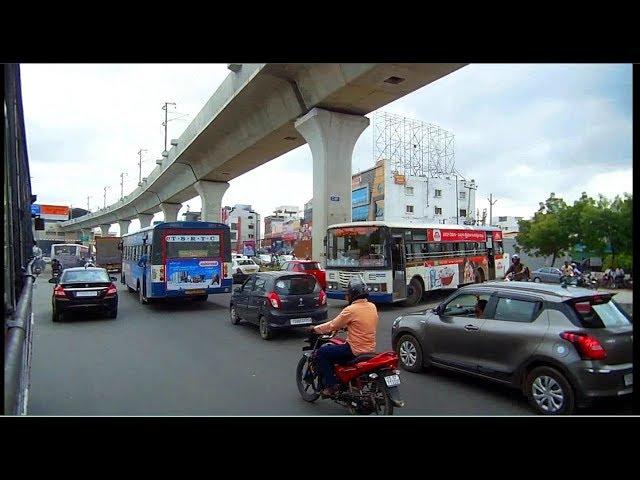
521,131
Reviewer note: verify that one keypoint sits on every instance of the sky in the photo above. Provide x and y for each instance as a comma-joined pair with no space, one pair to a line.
521,132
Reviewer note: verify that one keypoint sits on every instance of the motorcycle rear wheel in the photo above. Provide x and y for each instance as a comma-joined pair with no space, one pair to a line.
382,404
307,390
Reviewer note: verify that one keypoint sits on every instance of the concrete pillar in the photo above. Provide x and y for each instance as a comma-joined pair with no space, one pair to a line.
124,226
170,211
211,194
331,137
145,219
105,229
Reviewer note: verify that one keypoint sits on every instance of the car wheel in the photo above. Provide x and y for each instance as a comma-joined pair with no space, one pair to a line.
233,316
549,392
414,293
56,316
410,353
265,331
536,279
113,313
202,298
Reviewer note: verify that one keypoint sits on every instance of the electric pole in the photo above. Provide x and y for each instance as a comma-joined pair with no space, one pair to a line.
140,164
166,121
105,195
491,202
88,197
122,175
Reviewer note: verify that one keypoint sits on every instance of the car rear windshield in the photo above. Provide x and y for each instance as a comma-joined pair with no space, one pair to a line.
296,285
600,312
79,276
245,262
310,266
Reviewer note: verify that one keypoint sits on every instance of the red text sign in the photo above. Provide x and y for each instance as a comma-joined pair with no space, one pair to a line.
444,235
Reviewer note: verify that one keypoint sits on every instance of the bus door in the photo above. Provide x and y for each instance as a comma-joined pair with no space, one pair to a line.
491,261
398,268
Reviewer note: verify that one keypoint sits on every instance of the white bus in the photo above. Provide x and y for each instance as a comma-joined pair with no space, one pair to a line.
70,254
399,262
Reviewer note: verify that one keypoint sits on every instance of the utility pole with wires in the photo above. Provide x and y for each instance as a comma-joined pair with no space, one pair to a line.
140,165
491,202
105,195
122,175
166,121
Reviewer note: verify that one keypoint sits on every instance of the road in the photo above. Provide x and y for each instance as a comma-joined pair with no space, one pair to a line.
187,359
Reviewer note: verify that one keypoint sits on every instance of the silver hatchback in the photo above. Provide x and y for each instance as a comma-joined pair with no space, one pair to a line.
562,346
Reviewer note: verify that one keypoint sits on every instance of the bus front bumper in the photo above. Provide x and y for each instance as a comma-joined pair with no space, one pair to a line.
375,297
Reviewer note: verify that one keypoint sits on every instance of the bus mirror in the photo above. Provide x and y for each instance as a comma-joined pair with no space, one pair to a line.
324,241
38,223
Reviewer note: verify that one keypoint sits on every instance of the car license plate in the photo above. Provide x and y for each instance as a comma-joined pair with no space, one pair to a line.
195,292
392,380
300,321
87,294
628,379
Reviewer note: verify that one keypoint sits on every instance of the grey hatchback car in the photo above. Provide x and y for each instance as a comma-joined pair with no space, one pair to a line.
562,346
546,274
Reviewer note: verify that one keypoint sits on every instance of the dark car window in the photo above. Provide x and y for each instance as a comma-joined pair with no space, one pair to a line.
310,266
259,286
512,310
296,285
604,313
79,276
248,284
464,305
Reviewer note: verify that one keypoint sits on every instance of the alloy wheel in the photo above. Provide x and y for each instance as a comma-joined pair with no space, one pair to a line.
408,353
548,394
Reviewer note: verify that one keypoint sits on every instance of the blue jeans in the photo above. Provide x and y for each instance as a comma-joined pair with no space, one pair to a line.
328,355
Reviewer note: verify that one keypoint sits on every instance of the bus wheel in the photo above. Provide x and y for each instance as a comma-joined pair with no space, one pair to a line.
414,293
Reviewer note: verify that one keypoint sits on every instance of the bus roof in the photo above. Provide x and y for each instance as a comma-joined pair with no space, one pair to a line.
408,225
185,225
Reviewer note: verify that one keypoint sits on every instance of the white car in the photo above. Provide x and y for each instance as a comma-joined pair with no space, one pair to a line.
263,259
238,256
284,258
241,268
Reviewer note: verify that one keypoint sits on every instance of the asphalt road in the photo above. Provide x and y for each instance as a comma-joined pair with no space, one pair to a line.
187,359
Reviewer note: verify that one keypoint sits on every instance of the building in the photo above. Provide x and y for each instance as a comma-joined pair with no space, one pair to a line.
52,215
244,223
508,225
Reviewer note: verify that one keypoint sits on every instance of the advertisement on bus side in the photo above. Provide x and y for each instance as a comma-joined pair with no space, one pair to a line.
193,273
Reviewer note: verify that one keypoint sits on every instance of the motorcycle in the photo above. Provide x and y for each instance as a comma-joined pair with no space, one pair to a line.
367,384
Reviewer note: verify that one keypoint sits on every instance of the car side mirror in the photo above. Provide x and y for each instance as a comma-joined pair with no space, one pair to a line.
438,310
53,280
113,279
237,289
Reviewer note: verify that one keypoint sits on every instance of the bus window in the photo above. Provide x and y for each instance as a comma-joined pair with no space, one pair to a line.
435,247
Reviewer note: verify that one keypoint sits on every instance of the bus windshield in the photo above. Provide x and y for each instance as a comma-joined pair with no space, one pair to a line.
357,247
64,250
193,246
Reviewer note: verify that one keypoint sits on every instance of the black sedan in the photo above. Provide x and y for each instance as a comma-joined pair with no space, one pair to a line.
279,301
81,289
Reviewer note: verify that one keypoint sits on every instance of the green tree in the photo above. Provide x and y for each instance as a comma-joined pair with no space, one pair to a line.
548,232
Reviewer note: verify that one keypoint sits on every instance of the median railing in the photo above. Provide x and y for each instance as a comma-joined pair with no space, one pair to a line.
17,356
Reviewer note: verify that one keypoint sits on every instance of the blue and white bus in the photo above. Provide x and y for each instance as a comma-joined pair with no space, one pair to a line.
177,259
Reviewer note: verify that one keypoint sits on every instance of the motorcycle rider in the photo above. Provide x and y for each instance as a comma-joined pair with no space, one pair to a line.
361,318
517,268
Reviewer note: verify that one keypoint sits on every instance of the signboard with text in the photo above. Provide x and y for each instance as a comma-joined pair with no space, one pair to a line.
451,235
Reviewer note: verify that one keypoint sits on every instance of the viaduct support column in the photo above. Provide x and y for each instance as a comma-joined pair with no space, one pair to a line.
145,219
124,226
331,137
211,195
170,211
105,229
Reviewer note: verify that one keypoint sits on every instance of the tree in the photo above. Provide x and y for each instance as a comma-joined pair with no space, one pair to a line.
549,232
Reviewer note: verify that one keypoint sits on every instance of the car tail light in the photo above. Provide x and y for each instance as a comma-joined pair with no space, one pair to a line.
112,290
274,298
588,346
59,291
322,298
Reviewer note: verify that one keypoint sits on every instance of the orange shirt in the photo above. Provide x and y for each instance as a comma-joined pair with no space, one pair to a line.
361,320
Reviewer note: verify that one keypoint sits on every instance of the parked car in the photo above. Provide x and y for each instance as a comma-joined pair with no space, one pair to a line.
83,289
562,346
307,266
242,268
238,256
263,259
279,301
546,274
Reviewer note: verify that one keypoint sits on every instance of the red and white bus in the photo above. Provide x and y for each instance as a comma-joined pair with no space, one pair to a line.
399,262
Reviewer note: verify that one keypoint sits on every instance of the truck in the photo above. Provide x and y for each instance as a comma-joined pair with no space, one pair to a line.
108,253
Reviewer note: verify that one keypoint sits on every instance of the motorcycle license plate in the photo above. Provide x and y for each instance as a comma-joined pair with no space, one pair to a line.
392,380
300,321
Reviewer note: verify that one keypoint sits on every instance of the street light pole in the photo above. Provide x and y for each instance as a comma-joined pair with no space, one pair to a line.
88,197
105,195
122,175
491,202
